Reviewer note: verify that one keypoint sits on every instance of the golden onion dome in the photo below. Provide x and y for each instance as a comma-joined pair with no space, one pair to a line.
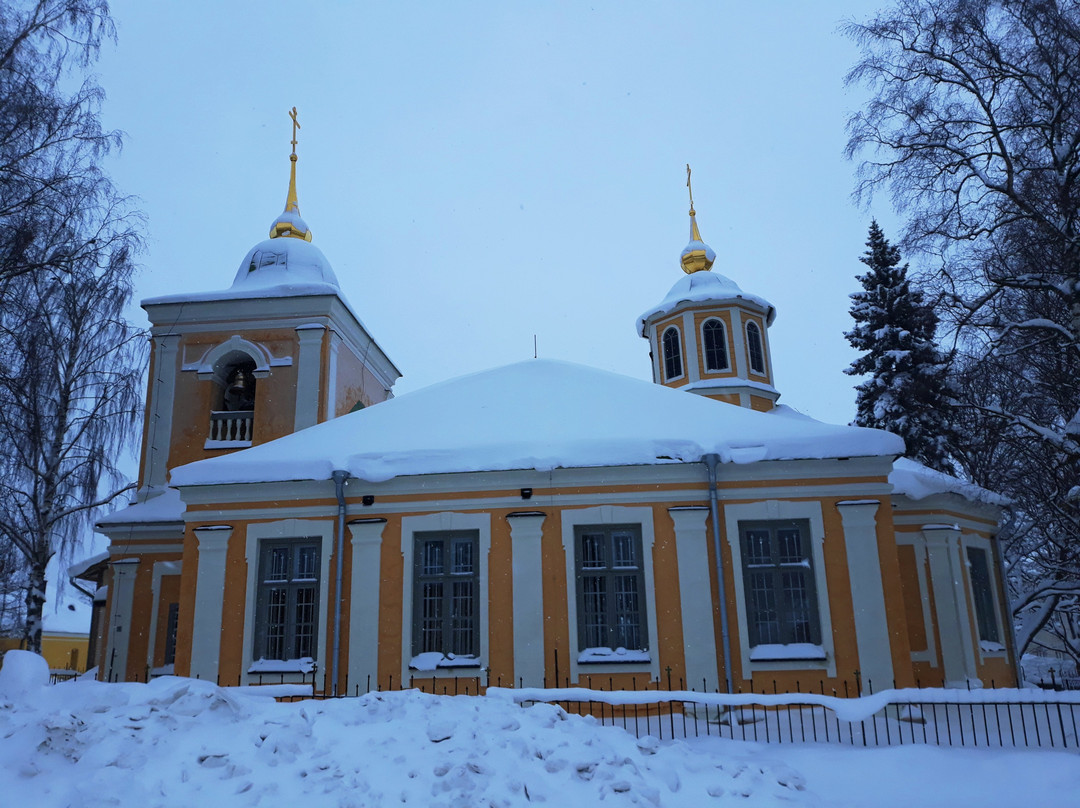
289,223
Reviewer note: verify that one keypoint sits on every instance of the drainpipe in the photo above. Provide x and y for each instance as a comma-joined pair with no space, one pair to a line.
711,461
339,478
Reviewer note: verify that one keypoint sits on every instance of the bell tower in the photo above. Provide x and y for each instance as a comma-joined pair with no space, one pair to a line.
279,350
708,336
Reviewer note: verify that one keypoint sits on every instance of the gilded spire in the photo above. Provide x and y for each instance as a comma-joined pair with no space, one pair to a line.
698,255
289,222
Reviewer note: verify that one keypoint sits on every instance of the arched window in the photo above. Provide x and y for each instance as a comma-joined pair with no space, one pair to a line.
672,354
232,418
754,348
715,341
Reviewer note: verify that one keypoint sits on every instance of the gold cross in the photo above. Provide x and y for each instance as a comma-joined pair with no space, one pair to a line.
688,186
296,125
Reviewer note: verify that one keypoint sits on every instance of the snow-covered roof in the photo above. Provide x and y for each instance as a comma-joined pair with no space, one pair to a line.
165,507
916,481
277,267
704,287
79,567
538,414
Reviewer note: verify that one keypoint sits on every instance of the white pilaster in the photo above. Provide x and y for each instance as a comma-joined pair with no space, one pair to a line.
160,411
120,620
526,532
364,604
308,371
946,576
209,599
695,594
331,375
867,598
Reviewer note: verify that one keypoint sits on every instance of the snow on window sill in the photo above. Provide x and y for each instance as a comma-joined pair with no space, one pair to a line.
619,655
988,647
772,652
164,670
433,660
302,665
226,444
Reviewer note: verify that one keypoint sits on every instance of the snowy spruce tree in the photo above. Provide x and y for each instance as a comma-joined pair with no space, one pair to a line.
894,328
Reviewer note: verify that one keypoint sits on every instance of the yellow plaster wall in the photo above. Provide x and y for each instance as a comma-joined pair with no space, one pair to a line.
355,383
63,651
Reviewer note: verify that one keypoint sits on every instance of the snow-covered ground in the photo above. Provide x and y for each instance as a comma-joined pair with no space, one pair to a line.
179,742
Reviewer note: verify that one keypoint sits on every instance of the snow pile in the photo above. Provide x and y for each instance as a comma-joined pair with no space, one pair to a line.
916,481
538,414
178,742
704,287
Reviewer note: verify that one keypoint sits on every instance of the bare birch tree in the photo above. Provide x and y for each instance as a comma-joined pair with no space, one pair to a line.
974,128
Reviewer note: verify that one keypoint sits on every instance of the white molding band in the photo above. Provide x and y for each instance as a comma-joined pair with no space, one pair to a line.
699,612
364,604
867,595
526,534
209,602
308,371
610,515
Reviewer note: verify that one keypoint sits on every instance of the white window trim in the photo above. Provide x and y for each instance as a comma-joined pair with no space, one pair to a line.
437,522
916,541
682,353
160,570
729,370
285,529
764,373
980,543
610,515
772,510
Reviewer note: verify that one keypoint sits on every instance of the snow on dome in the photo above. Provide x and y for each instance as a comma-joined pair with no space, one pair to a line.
283,262
704,287
916,481
538,414
696,245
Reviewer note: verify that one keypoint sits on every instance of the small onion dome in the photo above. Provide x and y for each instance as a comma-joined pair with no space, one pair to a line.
289,223
698,255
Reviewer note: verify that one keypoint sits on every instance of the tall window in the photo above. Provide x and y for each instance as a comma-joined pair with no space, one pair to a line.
170,633
287,624
781,605
672,354
446,593
713,336
983,595
755,347
610,587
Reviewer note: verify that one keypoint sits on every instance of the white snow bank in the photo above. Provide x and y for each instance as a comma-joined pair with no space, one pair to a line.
177,742
704,287
916,481
538,414
23,672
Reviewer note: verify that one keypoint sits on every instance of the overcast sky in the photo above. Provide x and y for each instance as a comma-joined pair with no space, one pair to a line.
478,173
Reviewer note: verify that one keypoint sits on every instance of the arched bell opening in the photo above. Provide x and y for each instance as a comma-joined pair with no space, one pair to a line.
232,414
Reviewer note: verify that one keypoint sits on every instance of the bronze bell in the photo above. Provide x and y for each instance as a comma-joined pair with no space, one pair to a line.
240,391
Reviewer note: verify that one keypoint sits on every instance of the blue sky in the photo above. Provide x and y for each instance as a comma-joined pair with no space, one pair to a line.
480,172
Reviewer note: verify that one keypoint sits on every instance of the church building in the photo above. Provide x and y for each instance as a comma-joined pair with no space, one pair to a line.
543,523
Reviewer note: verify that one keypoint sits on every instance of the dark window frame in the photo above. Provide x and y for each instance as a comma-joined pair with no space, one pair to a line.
607,588
755,347
982,594
671,345
714,345
450,630
172,621
772,581
287,608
